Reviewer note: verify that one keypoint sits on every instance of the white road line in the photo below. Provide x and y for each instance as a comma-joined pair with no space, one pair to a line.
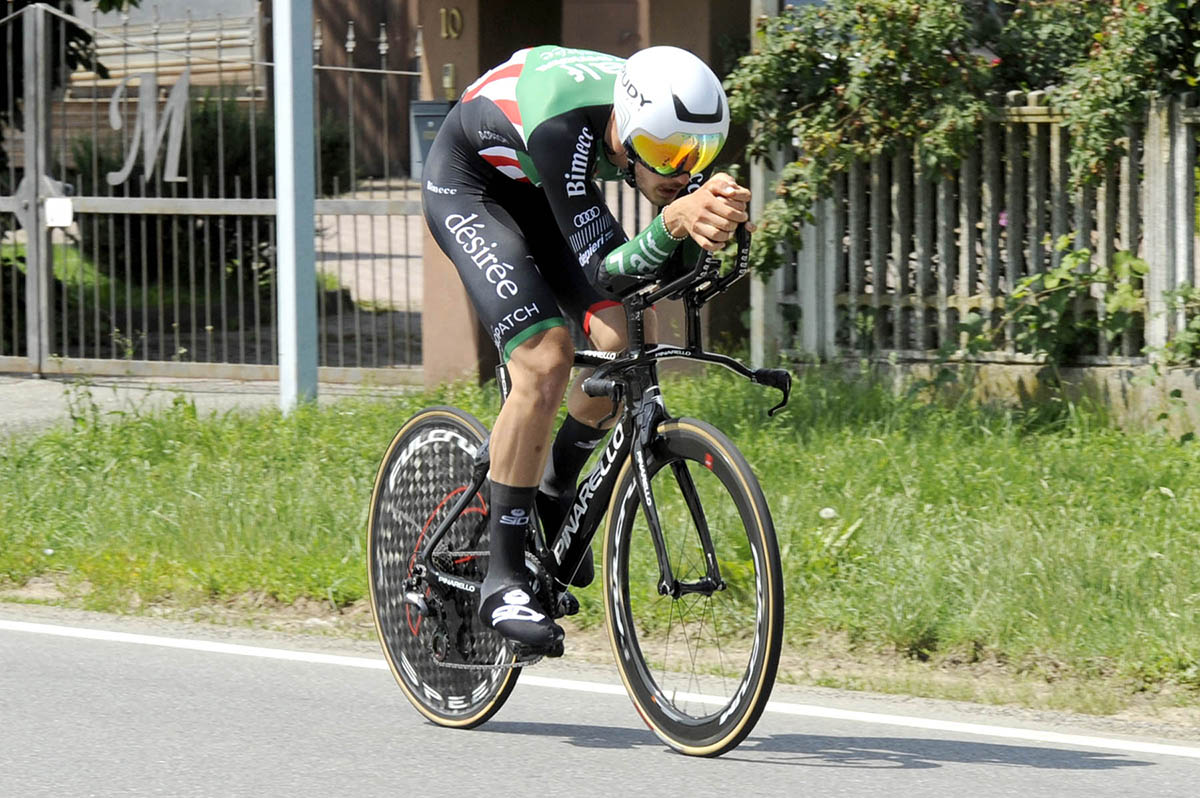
207,646
530,680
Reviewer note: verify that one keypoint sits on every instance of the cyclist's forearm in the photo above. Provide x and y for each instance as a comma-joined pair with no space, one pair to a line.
643,254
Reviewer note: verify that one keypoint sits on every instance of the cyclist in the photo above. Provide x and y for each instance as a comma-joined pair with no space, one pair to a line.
510,197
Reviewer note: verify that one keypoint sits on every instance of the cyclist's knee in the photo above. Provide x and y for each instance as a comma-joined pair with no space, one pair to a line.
608,330
540,367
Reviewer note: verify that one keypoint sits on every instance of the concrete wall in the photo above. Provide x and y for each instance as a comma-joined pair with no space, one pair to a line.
610,26
1137,397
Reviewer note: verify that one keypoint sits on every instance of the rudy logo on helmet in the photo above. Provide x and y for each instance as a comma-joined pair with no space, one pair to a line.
671,111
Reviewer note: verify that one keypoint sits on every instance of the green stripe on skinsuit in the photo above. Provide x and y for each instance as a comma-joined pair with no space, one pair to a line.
529,332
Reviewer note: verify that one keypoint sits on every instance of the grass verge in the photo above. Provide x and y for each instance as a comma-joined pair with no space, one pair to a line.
1048,546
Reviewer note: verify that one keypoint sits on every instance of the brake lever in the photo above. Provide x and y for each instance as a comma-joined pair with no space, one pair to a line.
598,385
780,379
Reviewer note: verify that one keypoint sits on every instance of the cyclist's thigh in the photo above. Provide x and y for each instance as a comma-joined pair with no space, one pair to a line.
560,266
490,251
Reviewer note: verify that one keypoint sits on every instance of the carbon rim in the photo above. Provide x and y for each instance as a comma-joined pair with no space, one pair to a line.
426,468
699,668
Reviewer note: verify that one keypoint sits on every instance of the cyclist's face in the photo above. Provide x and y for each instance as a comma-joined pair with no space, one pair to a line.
656,188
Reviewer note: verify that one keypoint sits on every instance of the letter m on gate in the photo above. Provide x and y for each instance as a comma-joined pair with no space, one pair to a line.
148,129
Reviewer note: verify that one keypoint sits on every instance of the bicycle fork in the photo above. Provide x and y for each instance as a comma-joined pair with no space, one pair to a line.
633,436
652,412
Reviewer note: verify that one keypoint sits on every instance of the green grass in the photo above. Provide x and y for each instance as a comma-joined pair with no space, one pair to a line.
84,282
1049,542
87,283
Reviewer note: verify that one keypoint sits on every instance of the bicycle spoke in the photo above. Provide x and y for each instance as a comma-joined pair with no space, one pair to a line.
720,651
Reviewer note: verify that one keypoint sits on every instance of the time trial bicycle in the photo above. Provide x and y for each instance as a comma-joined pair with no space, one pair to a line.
691,578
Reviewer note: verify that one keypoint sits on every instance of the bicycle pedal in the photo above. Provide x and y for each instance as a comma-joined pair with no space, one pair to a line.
567,604
522,652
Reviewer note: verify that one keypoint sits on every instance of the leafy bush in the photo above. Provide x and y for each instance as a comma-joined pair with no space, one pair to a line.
1035,42
1183,349
849,80
1142,46
852,79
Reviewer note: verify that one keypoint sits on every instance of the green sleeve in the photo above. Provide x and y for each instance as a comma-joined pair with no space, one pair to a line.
644,253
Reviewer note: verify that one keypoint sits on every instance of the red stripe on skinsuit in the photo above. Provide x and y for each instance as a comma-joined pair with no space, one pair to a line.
593,310
508,72
510,109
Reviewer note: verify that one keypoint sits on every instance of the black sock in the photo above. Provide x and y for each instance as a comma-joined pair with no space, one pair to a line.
508,524
507,602
573,445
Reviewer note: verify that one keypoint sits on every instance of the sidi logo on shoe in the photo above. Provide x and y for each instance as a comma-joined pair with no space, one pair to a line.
515,612
517,517
516,596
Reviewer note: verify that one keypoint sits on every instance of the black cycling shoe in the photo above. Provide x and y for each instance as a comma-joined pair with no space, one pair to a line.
552,511
512,611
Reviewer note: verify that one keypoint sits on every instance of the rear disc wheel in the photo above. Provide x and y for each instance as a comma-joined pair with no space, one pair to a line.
424,473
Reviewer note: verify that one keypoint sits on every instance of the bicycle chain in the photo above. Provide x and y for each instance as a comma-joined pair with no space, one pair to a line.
463,666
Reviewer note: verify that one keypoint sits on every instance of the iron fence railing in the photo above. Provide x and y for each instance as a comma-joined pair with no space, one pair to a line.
162,146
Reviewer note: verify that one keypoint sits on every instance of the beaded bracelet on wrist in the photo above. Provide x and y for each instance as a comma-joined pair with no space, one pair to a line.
667,230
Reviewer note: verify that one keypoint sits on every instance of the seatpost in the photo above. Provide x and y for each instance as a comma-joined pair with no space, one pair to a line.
692,319
636,324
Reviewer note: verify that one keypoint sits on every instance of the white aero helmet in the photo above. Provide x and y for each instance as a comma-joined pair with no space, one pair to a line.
671,111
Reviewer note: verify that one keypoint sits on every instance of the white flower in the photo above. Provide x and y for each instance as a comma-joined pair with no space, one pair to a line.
828,513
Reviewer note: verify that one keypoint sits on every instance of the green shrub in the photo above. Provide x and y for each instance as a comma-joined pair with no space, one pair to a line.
844,81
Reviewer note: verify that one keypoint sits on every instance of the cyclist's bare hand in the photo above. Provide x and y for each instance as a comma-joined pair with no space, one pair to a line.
711,213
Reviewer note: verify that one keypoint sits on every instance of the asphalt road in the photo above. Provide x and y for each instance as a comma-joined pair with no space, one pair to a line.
127,708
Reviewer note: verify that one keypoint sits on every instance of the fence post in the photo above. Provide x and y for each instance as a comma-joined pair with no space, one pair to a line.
1015,172
856,247
38,258
1159,241
810,272
295,176
817,273
902,244
1183,176
835,262
766,320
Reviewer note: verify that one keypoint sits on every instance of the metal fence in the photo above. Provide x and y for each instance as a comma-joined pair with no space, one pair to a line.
156,136
895,259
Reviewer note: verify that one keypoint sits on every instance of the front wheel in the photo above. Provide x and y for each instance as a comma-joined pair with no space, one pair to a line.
698,662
